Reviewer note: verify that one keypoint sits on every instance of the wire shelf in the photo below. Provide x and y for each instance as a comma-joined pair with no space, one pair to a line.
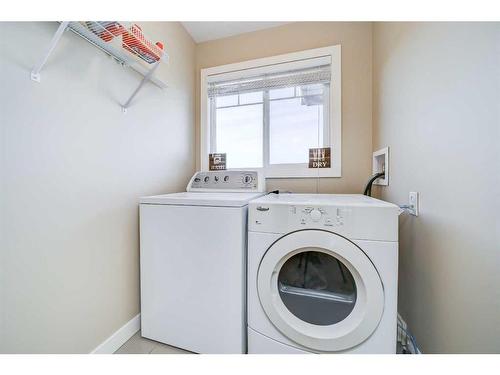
126,43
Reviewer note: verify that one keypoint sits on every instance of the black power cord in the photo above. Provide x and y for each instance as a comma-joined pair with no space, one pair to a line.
368,188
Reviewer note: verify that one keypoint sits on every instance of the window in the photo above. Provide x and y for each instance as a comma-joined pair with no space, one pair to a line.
297,122
237,125
267,113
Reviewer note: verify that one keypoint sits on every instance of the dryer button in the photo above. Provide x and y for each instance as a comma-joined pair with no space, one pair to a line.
315,215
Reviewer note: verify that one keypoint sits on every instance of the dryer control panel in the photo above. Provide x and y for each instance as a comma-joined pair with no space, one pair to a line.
353,216
227,181
318,216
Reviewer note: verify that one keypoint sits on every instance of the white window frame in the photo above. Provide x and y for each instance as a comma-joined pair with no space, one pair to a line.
302,58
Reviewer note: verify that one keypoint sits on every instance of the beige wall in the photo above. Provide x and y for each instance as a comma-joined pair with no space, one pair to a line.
436,105
356,41
72,168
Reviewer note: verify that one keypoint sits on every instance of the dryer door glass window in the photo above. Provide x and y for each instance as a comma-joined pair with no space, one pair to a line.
317,287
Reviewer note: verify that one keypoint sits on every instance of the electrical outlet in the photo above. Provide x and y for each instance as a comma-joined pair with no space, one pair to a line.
413,203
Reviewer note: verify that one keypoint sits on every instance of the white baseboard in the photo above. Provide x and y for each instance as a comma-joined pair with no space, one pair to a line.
120,337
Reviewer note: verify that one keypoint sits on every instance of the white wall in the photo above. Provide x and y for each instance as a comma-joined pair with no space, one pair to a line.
437,106
72,168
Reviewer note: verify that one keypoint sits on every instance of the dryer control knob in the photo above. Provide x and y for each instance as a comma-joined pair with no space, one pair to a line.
315,215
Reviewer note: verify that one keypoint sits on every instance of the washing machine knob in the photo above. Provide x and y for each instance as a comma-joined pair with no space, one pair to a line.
315,215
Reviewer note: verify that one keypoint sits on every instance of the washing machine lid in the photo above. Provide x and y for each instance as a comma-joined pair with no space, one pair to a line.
320,290
202,199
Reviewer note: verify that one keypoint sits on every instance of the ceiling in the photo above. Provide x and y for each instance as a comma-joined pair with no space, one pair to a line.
204,31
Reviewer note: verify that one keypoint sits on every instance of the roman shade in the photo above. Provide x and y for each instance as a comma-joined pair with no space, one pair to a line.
290,78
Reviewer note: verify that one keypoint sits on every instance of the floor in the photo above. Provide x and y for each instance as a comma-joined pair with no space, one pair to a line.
139,345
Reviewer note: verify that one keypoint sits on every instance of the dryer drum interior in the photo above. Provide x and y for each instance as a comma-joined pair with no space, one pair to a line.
317,287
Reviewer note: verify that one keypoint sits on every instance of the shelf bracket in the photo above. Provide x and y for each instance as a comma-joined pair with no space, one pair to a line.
146,78
35,73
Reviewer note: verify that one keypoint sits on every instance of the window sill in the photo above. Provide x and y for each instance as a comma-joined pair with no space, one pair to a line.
312,174
296,172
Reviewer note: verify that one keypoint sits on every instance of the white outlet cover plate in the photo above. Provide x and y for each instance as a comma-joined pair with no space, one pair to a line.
413,203
379,157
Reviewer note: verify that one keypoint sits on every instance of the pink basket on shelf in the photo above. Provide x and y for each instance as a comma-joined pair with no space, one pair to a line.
134,41
106,30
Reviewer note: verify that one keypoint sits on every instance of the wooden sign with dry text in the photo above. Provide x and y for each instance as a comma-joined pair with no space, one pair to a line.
320,157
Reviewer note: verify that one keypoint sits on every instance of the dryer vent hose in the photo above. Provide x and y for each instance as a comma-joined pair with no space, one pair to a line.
368,188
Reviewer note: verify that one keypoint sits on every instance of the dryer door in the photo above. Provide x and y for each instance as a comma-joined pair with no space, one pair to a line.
320,290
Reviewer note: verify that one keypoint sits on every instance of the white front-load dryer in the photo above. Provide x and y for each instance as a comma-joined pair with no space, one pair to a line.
322,274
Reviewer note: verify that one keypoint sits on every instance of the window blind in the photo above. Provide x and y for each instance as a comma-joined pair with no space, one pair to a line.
308,76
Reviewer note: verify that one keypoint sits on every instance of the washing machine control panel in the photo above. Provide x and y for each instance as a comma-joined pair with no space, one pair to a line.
226,181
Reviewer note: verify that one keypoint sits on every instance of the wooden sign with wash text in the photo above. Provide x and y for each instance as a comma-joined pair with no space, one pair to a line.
217,162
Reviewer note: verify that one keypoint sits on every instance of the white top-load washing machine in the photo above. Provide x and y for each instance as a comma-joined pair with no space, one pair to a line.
322,274
193,262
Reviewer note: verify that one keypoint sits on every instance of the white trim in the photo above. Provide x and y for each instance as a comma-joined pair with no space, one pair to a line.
335,111
382,153
233,75
278,59
335,107
205,135
120,337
